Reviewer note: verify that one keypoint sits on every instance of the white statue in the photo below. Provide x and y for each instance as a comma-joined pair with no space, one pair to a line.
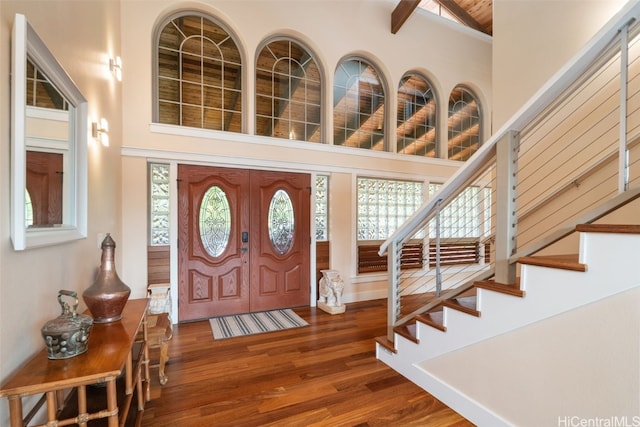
331,288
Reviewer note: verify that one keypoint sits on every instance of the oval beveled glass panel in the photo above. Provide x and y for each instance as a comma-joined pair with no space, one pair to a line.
281,222
214,221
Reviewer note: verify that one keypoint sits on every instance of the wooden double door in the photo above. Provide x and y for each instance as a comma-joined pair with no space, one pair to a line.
243,241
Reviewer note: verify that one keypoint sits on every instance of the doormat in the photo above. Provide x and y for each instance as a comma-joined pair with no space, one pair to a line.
255,323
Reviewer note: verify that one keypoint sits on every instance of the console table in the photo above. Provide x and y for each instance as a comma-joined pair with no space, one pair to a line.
110,352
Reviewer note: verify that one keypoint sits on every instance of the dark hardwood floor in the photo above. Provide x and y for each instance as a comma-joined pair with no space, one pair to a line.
325,374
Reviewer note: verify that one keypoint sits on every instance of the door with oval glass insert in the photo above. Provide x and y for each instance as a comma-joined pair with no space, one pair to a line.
242,237
280,244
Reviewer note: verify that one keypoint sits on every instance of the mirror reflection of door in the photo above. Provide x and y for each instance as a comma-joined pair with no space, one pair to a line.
243,241
48,140
44,187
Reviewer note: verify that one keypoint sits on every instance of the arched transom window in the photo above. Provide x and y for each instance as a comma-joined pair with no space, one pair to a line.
463,124
416,121
199,71
288,92
358,106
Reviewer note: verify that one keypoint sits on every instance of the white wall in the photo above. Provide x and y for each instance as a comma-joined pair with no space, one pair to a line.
81,35
582,364
333,30
533,39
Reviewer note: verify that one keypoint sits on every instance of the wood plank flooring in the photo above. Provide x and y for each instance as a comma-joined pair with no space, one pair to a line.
325,374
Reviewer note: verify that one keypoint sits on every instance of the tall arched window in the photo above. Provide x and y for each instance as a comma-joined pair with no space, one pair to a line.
288,92
358,106
463,124
416,120
199,75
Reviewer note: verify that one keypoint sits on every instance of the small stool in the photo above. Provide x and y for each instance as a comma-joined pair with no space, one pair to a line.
159,332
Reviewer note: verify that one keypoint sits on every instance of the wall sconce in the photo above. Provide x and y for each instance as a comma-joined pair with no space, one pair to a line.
100,131
115,65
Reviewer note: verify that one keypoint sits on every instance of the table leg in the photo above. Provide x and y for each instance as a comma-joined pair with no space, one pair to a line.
52,406
83,416
141,397
147,374
15,410
164,356
128,375
112,402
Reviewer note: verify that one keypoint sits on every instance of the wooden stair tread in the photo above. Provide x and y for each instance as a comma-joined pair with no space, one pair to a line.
468,293
407,331
565,262
435,319
383,341
503,288
465,304
609,228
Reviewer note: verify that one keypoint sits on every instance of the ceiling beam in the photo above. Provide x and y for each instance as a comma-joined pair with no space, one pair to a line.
401,13
453,8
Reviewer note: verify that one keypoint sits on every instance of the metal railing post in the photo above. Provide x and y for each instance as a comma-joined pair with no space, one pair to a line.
623,151
438,270
393,297
506,218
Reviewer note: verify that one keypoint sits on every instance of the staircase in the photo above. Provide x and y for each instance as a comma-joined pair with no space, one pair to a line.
606,265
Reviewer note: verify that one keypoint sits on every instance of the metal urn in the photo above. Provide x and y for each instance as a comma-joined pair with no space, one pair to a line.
68,334
108,294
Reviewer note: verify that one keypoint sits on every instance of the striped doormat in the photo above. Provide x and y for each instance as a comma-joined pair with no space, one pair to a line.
254,323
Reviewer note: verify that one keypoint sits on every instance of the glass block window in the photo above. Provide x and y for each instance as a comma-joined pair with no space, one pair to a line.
467,216
322,208
199,75
358,106
463,124
383,205
288,92
214,221
159,204
416,120
281,222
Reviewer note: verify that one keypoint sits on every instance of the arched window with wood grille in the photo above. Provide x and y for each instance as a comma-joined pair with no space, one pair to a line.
416,117
198,70
358,105
464,124
288,92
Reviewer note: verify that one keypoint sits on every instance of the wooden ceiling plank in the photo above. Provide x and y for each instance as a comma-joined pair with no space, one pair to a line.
461,14
401,13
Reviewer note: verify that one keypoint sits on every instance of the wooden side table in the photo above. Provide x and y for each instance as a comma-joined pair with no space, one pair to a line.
110,352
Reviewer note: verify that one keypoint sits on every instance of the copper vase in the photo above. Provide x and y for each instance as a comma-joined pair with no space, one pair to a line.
107,296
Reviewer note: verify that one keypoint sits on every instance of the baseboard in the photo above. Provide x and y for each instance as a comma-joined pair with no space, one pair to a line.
364,296
469,408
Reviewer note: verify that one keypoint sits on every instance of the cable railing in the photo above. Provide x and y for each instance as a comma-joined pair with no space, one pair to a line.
569,155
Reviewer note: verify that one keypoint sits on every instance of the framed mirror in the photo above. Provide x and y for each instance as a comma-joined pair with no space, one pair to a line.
48,146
